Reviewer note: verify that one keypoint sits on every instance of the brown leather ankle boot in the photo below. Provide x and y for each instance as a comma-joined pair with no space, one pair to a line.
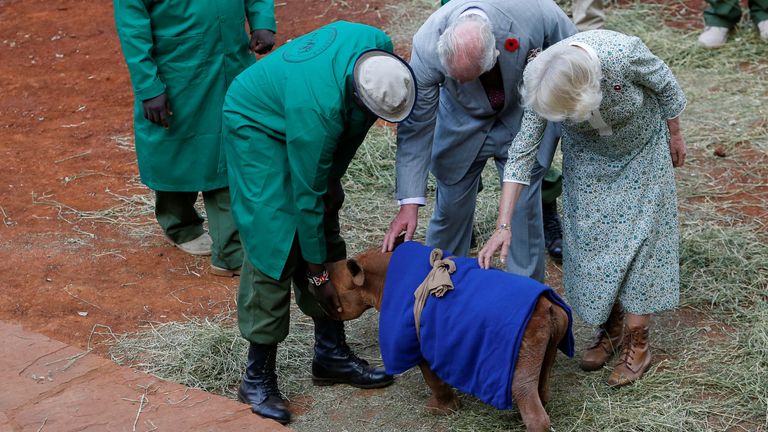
605,342
635,357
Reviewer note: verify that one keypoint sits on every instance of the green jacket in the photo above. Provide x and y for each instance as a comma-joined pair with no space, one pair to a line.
291,124
191,50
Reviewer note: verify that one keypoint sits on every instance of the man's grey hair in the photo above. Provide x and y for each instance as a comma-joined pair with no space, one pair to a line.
453,45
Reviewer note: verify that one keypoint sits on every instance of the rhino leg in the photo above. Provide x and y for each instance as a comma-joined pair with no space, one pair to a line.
528,371
443,400
558,328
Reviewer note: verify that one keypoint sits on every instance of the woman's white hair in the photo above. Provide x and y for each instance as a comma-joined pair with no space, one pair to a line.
468,42
563,82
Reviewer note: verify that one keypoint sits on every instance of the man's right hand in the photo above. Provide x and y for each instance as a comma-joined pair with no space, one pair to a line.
405,220
157,110
262,41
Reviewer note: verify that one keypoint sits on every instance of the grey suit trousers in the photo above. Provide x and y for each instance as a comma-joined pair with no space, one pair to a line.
450,227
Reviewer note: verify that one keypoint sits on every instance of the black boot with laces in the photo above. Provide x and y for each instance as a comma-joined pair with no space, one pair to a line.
334,361
259,386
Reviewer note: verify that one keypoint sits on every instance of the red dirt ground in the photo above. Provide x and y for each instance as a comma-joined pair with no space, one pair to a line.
679,14
66,95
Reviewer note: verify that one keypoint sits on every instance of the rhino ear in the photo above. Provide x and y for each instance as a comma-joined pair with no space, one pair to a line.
358,276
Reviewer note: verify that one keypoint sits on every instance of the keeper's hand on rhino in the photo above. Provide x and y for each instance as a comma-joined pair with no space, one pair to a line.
329,299
325,292
157,110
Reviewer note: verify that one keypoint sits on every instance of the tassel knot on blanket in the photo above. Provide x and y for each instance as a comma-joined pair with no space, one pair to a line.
437,283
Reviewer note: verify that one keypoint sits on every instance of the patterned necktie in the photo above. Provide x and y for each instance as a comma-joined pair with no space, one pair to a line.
494,87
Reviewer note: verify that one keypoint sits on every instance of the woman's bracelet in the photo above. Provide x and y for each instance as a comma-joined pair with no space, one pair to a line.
504,227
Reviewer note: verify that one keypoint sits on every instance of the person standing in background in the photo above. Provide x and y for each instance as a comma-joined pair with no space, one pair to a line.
588,14
723,15
182,56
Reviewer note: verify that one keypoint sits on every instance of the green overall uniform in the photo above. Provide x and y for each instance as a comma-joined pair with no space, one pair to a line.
191,51
727,13
291,125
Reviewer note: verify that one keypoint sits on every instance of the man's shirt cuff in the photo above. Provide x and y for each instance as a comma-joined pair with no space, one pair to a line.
418,200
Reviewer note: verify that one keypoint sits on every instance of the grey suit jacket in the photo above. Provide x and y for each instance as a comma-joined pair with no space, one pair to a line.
450,121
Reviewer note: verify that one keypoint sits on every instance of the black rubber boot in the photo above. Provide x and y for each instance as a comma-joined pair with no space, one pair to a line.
259,386
335,363
553,233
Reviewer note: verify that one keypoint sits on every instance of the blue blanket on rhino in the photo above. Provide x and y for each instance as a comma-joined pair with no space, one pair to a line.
471,336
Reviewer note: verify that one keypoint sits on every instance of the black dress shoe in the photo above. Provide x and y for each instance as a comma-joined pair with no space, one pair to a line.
259,386
553,233
335,363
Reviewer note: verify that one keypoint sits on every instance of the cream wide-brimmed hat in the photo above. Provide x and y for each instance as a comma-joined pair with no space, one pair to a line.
385,84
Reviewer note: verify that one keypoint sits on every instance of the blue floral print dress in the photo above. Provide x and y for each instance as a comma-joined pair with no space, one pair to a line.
620,230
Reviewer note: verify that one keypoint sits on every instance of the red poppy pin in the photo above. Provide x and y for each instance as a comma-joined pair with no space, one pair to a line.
511,44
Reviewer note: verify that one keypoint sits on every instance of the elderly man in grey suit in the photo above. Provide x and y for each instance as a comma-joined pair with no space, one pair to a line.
468,59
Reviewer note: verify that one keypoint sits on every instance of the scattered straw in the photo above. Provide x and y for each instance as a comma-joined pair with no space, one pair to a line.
79,155
405,17
6,220
133,213
45,420
66,290
141,407
124,142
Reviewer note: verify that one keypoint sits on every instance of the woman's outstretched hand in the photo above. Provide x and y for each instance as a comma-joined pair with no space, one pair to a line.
500,239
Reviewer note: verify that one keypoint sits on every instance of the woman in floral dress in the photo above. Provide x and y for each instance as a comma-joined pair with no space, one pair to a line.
619,106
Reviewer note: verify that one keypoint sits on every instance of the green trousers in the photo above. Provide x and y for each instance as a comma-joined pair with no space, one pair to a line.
176,214
263,303
727,13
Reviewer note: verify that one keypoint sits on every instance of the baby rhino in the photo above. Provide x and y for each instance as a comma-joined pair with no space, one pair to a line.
485,332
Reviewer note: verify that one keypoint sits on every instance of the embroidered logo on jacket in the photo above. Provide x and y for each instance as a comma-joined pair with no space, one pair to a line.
309,46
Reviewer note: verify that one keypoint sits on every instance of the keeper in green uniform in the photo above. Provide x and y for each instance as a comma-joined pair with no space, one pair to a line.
293,122
182,56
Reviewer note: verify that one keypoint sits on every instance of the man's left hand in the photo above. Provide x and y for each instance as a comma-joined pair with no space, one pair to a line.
328,298
262,41
325,294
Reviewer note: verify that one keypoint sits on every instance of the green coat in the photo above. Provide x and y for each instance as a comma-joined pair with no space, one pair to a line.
291,123
191,50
